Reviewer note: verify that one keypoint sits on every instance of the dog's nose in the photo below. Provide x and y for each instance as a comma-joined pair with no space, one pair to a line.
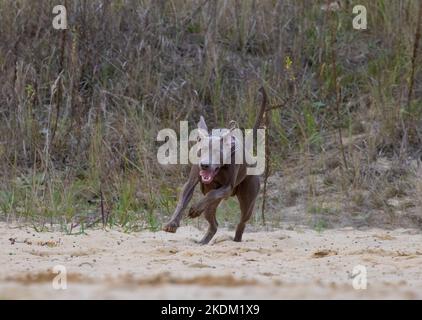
204,166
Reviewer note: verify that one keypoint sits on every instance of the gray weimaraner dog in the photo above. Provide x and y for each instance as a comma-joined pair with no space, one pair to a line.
219,182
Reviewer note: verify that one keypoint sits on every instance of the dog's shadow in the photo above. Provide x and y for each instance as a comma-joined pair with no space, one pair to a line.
215,240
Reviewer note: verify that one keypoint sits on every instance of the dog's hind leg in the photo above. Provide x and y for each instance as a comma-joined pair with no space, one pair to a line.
246,194
210,216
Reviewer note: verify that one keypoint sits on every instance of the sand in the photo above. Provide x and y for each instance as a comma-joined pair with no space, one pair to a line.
280,264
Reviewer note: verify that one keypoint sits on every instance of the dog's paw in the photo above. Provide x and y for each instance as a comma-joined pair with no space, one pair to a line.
194,212
171,227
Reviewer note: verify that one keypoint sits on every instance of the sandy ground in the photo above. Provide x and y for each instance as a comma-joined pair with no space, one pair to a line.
282,264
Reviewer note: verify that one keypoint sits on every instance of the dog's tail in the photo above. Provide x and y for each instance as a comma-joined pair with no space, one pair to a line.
261,111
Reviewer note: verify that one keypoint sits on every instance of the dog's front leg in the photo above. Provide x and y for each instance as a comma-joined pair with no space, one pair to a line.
184,198
210,198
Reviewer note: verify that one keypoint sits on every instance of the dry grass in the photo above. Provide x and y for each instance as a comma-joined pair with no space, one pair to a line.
80,109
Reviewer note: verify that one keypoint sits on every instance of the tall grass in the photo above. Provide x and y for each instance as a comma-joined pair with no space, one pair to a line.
80,109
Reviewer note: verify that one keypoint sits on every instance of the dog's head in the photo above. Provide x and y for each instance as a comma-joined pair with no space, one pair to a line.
217,151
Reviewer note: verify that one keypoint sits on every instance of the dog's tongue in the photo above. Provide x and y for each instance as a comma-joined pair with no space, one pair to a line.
206,176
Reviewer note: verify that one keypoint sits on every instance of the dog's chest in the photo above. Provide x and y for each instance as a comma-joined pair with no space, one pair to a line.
205,188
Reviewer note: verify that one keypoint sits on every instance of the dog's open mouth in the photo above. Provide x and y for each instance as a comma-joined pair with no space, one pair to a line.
207,176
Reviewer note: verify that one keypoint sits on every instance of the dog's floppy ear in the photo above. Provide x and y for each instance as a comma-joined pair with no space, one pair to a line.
233,125
202,125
